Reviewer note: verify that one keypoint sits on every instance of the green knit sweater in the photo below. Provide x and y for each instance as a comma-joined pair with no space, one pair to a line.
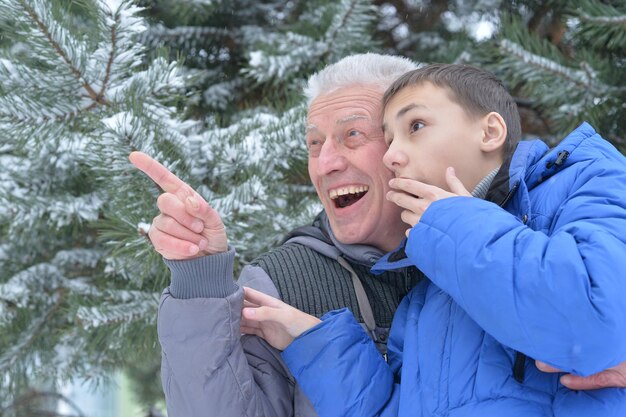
317,284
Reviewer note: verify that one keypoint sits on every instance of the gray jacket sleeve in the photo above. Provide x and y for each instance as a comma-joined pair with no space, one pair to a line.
207,368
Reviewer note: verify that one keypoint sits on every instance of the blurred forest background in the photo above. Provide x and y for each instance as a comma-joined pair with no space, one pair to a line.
211,88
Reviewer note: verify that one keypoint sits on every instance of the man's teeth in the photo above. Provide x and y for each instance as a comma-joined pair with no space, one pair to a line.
347,190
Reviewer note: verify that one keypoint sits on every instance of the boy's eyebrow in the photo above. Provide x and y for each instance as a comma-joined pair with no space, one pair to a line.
402,111
408,107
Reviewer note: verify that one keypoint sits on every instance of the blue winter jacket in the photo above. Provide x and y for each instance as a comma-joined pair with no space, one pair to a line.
546,276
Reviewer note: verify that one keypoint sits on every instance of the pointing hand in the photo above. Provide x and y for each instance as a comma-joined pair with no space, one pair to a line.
187,226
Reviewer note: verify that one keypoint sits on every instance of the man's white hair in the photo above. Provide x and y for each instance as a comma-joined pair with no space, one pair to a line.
360,69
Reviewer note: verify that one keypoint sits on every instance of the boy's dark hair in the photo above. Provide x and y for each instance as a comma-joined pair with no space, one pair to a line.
477,91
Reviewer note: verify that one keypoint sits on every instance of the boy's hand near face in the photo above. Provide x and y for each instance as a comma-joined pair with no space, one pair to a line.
273,320
415,197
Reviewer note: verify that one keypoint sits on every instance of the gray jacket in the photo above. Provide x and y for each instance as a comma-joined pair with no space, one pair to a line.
208,368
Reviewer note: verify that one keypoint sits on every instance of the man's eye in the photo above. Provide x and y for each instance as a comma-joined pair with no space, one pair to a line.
354,137
415,126
313,142
314,146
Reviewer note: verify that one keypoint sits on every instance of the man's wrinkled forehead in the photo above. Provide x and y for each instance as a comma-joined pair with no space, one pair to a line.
353,99
341,121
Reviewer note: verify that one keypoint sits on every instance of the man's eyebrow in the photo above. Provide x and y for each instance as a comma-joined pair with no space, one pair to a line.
341,121
351,118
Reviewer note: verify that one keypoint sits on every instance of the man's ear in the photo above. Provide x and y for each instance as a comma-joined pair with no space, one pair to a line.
494,132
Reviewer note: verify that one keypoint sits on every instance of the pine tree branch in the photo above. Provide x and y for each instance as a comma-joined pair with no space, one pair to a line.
332,35
180,36
605,20
9,303
99,97
75,71
584,79
419,19
107,75
35,330
61,118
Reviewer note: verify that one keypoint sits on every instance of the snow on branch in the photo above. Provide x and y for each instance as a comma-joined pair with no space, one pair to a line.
586,78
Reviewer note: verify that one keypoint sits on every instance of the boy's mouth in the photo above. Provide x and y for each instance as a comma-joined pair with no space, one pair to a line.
346,196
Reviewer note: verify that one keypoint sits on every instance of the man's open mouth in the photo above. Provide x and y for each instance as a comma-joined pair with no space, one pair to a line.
344,197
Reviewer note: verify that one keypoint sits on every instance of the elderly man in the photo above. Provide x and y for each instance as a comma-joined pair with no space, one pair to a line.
207,369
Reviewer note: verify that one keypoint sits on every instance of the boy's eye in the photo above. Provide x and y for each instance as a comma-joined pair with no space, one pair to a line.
415,126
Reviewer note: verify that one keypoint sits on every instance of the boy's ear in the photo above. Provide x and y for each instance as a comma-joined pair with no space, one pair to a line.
494,132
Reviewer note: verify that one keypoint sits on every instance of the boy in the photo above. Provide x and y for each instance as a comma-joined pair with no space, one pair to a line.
535,264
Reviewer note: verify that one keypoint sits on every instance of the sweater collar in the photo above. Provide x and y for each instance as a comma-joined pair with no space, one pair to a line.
319,237
362,254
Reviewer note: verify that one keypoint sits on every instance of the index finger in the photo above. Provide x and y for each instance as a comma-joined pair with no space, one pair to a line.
158,173
260,299
415,187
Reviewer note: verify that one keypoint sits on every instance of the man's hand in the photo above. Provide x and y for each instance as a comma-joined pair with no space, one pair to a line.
276,322
187,226
611,378
415,196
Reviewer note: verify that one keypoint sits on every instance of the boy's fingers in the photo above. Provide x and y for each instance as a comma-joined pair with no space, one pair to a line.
250,330
171,206
249,323
544,367
455,184
404,200
261,299
604,379
579,383
413,187
609,378
159,174
410,217
259,314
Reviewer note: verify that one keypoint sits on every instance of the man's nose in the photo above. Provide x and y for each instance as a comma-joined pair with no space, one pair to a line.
331,157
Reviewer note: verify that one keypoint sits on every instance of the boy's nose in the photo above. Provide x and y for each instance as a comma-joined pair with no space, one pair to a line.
331,158
394,159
